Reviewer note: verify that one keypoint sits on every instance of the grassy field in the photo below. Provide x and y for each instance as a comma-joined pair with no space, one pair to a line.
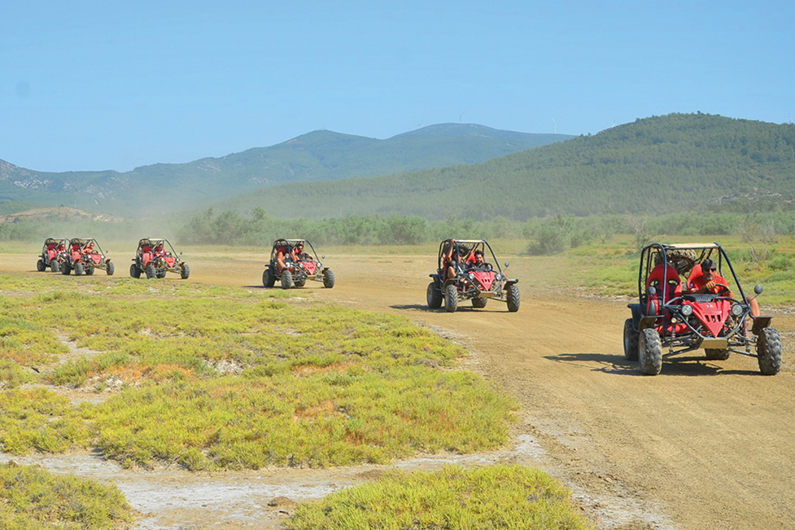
491,498
33,499
216,377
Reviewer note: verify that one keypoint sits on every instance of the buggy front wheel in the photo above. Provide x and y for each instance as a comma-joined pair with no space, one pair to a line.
287,279
135,272
40,266
110,268
184,271
768,351
513,298
650,352
328,279
450,298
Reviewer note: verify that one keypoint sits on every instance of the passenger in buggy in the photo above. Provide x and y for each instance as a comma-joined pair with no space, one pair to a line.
299,254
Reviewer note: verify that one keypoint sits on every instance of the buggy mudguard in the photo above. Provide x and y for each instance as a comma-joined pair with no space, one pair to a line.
760,323
511,282
637,314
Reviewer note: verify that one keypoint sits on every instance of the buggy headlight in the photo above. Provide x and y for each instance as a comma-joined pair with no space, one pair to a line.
737,310
687,310
471,275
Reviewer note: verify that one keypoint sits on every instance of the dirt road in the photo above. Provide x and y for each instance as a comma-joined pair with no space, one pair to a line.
704,445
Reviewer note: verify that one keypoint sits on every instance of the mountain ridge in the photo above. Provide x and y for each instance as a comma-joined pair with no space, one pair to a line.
317,155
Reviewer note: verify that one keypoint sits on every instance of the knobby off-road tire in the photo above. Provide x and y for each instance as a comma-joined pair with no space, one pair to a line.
630,341
328,279
450,298
135,272
65,268
40,266
78,269
268,279
650,352
433,296
89,271
110,268
287,279
54,265
768,350
184,271
150,271
514,299
479,303
717,355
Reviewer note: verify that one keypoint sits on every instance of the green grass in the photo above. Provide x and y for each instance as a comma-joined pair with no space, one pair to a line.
490,498
34,499
217,377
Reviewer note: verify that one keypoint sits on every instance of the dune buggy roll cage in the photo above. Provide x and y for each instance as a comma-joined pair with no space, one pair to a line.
83,241
464,247
154,241
289,244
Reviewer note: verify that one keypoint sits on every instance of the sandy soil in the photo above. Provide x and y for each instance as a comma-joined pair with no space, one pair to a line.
704,445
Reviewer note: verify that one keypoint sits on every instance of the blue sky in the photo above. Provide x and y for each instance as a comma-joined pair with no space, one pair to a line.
89,85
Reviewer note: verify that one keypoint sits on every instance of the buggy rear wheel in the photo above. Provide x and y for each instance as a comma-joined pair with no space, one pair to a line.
479,303
650,352
328,279
40,266
768,350
513,298
450,298
433,296
268,279
630,341
135,272
717,355
287,279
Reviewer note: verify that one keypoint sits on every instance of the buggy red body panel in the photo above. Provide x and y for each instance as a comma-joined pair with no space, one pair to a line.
310,266
485,279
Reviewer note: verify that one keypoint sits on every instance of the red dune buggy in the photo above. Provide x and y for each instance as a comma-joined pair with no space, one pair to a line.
298,265
155,256
674,317
84,255
52,253
479,282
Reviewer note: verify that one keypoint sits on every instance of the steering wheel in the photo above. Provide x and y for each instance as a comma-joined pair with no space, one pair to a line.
723,289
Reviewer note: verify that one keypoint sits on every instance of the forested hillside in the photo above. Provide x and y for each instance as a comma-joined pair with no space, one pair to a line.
670,163
317,156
